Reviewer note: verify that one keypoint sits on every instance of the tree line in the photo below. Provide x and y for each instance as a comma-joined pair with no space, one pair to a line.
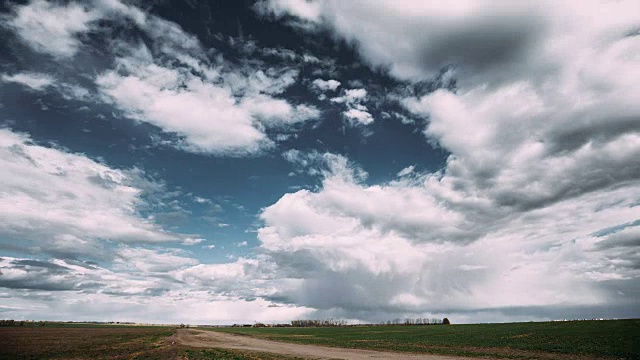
318,323
417,321
9,323
397,321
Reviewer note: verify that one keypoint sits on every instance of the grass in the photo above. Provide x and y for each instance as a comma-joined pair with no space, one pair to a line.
86,341
618,339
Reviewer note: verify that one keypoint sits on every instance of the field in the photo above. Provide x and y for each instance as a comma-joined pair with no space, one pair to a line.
619,339
106,342
572,340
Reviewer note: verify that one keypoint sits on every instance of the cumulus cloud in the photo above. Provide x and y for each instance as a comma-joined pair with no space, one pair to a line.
227,108
544,142
61,203
325,85
356,112
51,28
403,248
153,94
217,121
477,34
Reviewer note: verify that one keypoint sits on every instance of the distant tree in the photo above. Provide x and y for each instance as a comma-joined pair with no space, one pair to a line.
446,321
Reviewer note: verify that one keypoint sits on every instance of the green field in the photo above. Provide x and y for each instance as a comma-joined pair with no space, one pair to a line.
618,339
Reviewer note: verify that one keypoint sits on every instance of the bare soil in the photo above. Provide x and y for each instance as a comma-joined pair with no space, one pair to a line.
214,339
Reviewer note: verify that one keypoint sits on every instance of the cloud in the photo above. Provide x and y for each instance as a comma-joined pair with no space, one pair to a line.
41,275
35,81
477,34
278,113
62,203
192,241
152,261
43,82
215,123
351,96
359,116
228,108
407,247
74,278
208,104
84,291
356,112
51,28
543,152
325,85
406,171
173,308
325,164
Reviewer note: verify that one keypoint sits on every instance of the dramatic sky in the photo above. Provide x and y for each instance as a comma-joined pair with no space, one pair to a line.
239,161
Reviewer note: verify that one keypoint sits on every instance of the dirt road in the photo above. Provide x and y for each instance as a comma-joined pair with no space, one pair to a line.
199,338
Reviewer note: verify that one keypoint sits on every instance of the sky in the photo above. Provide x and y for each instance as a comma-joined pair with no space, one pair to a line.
212,162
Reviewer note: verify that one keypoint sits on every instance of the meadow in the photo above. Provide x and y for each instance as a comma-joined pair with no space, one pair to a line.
616,339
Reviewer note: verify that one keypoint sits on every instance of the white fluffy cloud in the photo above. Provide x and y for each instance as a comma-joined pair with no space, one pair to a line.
208,116
325,85
61,203
212,107
356,112
220,109
52,28
418,250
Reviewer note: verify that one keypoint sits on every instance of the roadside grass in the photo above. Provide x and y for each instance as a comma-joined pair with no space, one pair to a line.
108,342
619,339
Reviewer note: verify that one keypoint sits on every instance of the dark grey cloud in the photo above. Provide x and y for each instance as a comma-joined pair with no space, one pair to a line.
485,44
51,267
586,128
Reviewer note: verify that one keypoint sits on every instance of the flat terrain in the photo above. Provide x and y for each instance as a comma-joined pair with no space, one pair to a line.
615,339
558,340
217,339
108,342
